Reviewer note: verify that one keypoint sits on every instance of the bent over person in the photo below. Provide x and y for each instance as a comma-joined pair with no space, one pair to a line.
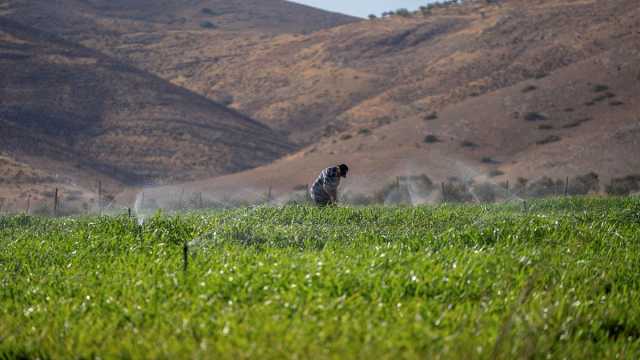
324,190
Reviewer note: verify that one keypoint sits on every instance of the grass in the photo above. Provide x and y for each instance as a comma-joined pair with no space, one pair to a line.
473,281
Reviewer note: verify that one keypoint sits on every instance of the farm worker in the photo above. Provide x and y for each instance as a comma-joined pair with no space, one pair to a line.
324,190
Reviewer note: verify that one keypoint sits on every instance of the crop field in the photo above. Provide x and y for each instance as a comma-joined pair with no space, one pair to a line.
557,279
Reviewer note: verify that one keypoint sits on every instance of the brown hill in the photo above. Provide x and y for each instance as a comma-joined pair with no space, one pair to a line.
369,92
175,38
362,74
556,126
66,109
94,19
370,73
525,91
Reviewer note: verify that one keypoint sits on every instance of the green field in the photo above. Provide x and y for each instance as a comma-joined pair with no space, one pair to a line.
471,281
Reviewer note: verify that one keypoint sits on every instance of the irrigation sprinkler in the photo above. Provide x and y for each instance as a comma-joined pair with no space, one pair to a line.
185,256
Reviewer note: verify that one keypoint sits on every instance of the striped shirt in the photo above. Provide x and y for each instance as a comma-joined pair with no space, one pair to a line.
326,186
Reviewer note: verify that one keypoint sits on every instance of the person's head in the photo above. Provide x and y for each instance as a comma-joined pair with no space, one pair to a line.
344,169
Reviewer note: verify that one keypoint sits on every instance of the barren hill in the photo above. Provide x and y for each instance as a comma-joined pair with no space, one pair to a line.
361,74
524,88
558,126
368,74
496,92
93,19
70,110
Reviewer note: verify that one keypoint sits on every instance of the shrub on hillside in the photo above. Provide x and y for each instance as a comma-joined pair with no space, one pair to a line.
584,184
425,10
520,187
469,144
600,88
624,186
548,140
430,139
535,116
489,160
403,12
544,187
456,190
431,116
207,25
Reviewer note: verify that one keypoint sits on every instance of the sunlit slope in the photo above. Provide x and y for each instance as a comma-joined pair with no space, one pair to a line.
578,119
87,19
370,73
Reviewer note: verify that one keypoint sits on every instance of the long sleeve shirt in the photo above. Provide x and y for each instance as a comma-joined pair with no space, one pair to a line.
325,188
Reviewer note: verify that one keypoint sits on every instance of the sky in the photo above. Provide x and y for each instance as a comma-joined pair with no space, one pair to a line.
363,8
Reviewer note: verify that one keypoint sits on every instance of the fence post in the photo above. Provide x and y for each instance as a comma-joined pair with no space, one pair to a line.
129,212
269,195
55,203
506,187
444,193
28,204
566,187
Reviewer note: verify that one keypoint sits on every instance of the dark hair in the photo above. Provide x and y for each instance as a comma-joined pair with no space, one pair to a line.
344,169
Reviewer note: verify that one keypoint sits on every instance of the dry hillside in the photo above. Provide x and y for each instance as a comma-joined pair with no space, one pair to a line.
69,110
530,89
91,20
556,126
519,88
362,74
